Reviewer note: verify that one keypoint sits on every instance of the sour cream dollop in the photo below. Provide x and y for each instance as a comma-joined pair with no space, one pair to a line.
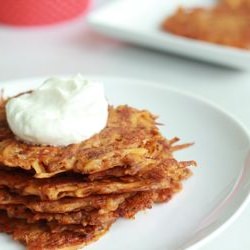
60,112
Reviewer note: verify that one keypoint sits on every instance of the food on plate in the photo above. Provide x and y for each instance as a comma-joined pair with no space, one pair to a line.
58,194
237,4
120,142
226,23
39,236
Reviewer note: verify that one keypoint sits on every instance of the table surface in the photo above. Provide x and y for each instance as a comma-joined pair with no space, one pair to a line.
72,47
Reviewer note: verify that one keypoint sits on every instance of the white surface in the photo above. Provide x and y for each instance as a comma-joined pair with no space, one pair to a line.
72,47
211,197
139,22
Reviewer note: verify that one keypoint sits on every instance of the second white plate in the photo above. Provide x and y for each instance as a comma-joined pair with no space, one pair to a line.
138,21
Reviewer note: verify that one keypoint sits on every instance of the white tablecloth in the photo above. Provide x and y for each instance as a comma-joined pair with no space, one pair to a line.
71,47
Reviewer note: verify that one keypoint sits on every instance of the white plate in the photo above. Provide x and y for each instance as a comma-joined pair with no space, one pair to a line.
211,198
138,21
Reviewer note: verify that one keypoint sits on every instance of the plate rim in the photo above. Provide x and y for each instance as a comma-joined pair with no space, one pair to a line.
162,85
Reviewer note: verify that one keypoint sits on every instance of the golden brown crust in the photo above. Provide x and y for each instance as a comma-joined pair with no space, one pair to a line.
58,187
227,23
37,236
51,235
104,203
131,204
152,169
127,132
84,218
242,6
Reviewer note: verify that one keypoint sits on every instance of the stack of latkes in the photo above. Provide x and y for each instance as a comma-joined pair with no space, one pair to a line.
66,197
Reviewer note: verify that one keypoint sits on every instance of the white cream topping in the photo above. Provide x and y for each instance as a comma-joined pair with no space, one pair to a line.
60,112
